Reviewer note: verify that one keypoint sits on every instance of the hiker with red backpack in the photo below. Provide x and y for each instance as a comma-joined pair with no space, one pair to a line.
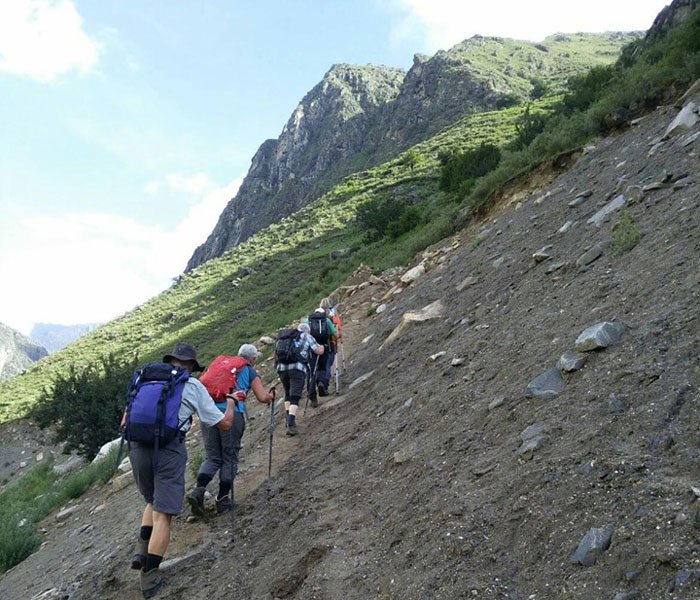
322,330
336,339
227,377
293,349
161,401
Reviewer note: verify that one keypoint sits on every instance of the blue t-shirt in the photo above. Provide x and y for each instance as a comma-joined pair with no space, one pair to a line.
244,380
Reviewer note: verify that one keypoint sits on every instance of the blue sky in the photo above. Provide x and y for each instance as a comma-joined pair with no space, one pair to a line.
127,125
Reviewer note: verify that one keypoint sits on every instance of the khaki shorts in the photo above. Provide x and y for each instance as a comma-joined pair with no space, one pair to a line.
163,487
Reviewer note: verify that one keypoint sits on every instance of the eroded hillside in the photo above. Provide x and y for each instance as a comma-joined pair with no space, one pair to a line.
447,468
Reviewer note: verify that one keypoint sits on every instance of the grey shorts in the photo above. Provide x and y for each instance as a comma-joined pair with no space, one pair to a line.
164,488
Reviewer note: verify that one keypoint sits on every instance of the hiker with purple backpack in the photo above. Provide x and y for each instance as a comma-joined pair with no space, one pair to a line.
162,399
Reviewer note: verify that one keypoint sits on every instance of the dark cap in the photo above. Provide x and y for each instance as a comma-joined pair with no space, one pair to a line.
184,352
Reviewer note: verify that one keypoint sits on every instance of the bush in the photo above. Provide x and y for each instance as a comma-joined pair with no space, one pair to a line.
527,128
464,166
86,406
387,216
625,235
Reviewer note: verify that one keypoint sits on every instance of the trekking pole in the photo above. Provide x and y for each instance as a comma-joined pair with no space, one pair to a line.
273,391
337,384
342,353
312,381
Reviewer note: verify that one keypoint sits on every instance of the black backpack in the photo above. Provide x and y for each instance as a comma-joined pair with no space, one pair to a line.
288,347
318,322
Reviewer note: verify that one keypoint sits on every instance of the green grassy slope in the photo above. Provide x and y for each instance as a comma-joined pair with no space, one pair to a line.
291,268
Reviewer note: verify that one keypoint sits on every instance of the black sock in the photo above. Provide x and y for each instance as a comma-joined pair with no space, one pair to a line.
146,531
224,489
152,561
290,420
203,480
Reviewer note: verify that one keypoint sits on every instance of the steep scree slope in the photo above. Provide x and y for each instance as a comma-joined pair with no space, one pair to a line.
415,483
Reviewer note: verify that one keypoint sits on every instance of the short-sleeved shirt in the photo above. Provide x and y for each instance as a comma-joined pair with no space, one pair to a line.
196,399
244,381
307,344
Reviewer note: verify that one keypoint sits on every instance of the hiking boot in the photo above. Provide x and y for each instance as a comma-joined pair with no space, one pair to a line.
138,560
223,505
322,390
150,582
292,430
196,501
313,402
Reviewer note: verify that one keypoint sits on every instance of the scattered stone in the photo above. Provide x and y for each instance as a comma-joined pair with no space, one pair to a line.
631,595
469,281
363,285
565,227
600,335
615,405
374,280
594,543
119,483
380,309
52,594
686,119
434,357
125,465
589,256
578,201
412,274
532,439
435,310
360,380
405,406
66,513
367,339
656,185
546,386
682,577
496,402
542,254
106,449
571,361
456,362
267,340
690,139
406,454
498,262
615,204
554,267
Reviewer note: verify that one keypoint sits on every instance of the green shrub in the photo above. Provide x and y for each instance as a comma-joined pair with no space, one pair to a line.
625,234
387,217
85,406
527,128
468,165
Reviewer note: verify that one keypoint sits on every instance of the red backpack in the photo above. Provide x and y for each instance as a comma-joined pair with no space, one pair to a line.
220,376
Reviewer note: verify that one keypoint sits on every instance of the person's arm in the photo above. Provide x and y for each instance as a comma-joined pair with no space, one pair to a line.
260,392
331,327
227,422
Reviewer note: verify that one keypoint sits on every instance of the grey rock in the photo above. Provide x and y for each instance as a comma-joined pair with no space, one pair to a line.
565,227
595,542
532,431
496,402
589,256
554,267
615,405
685,120
600,335
600,217
546,386
467,282
528,447
631,595
682,577
542,254
571,361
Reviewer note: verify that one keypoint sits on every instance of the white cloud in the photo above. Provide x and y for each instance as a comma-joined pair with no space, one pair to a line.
443,23
43,39
80,268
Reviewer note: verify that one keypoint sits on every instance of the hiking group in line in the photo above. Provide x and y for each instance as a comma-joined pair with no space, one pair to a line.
163,397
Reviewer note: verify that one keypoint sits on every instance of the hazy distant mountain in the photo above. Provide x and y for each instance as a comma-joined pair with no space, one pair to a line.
54,337
17,352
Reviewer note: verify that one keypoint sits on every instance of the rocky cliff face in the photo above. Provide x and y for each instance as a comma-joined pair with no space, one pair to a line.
17,352
359,116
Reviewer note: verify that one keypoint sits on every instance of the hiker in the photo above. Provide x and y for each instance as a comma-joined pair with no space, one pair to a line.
293,375
322,329
222,446
159,472
335,339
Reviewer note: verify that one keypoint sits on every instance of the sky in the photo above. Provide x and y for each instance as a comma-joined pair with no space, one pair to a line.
126,126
